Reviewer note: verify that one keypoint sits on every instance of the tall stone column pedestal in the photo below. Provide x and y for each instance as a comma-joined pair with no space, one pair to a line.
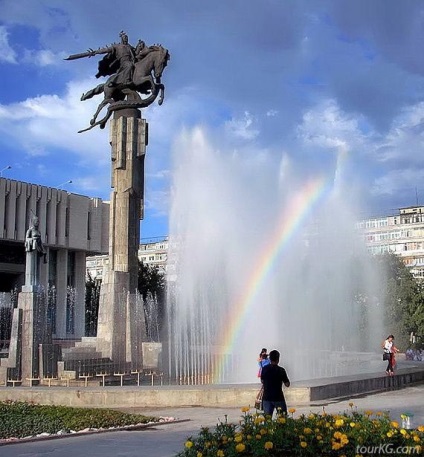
28,332
128,140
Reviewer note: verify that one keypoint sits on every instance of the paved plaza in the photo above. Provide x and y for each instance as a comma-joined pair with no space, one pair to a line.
168,439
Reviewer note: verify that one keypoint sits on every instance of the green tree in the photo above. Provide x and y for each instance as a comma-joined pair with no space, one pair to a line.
150,279
404,301
92,298
151,286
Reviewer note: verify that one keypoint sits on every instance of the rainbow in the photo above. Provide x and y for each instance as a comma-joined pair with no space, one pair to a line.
299,208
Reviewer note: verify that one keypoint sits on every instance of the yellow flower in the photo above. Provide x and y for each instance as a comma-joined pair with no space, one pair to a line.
188,444
368,412
240,447
339,422
245,409
379,413
292,410
394,424
351,404
417,439
220,453
337,435
336,446
249,437
238,438
421,428
352,424
303,444
259,420
311,416
281,420
307,431
389,434
403,432
258,437
199,454
268,445
319,437
263,431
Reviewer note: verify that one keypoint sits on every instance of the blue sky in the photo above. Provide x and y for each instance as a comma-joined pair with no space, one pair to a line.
302,78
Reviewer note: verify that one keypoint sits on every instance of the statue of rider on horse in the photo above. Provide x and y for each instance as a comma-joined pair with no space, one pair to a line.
132,71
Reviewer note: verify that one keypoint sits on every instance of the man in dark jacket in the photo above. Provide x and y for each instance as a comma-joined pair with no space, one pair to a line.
273,376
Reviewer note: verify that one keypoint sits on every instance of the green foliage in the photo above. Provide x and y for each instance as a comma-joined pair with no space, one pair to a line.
92,298
404,301
19,419
312,435
150,280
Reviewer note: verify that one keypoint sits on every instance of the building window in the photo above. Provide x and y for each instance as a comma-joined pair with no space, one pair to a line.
89,226
51,297
70,295
67,222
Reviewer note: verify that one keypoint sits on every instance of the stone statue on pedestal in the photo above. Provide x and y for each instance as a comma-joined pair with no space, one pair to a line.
34,251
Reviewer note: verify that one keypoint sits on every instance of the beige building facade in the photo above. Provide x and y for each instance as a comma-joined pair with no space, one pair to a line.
71,226
152,251
401,234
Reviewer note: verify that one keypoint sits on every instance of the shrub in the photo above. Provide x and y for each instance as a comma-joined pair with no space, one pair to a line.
348,434
20,419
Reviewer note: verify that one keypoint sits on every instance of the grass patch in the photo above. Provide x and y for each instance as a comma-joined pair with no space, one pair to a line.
21,419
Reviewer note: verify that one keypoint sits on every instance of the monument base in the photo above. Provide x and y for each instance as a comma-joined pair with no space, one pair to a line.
121,323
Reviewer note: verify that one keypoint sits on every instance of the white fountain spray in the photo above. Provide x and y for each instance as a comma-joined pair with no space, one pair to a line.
262,258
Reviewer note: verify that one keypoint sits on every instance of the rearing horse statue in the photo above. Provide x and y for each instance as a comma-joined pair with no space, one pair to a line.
146,80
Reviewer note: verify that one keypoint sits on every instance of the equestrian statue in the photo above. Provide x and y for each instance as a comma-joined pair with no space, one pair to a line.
131,71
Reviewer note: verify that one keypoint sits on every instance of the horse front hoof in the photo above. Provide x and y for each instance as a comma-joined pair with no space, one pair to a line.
82,97
160,102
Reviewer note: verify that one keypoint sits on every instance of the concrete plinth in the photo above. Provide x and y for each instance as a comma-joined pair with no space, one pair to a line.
30,332
117,334
235,395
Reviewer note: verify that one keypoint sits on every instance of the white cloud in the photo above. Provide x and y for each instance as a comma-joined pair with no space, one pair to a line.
396,180
7,54
242,127
52,122
271,113
43,58
327,126
405,140
158,201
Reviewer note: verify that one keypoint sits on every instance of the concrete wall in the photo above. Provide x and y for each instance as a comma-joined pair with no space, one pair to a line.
68,223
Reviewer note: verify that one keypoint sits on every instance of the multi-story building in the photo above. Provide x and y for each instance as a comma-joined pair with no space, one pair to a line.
152,251
96,266
402,234
71,227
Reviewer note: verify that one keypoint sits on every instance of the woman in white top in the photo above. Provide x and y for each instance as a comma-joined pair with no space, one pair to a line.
391,349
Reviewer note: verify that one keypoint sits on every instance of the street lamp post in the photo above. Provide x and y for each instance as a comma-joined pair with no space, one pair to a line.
61,185
4,169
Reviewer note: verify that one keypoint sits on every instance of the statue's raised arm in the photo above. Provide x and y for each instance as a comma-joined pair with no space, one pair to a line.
131,72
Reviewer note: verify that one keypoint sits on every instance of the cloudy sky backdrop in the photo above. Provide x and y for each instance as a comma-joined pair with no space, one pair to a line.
307,80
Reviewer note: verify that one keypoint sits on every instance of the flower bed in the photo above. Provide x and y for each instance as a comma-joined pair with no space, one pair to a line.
352,433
